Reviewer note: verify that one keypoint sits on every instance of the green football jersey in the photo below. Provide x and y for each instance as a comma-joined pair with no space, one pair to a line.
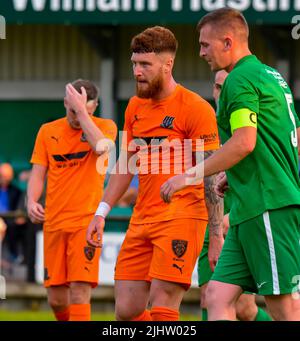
268,177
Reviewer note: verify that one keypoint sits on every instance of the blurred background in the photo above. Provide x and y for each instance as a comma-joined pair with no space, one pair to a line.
49,43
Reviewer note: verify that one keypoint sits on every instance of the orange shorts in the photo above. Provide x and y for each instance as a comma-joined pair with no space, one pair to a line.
165,250
68,258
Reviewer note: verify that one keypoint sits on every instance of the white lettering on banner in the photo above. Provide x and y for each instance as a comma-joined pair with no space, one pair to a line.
153,5
296,28
211,5
89,5
241,5
284,5
37,5
176,5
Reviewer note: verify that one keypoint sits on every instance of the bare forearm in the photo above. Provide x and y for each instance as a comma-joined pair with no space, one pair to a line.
213,202
92,133
35,189
215,207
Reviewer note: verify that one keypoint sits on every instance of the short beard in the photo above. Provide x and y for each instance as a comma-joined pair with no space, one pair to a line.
154,88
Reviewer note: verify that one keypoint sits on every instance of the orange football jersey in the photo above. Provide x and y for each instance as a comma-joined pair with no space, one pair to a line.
74,187
165,134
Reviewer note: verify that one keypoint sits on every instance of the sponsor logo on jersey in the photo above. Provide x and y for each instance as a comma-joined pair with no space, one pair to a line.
69,157
209,138
154,140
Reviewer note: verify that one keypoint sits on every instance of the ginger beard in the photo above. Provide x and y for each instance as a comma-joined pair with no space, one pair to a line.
152,89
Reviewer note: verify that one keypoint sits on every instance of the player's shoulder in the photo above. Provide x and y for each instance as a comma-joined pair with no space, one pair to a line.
248,70
54,125
134,104
104,122
136,101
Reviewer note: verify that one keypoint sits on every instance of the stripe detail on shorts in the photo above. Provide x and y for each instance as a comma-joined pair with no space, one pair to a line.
266,217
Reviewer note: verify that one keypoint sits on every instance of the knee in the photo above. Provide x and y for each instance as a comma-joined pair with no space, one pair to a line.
211,296
246,311
127,311
57,303
80,293
164,294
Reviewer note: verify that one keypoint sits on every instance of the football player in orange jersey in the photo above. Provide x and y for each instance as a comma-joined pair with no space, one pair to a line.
66,152
163,241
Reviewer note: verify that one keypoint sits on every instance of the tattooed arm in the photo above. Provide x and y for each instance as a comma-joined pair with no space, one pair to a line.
215,210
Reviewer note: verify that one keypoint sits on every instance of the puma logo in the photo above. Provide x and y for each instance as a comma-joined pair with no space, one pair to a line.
55,138
178,267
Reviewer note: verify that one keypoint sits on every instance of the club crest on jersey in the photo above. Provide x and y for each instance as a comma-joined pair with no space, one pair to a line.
168,122
179,247
89,252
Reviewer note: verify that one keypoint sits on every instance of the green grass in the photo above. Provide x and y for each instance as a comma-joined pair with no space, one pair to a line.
7,315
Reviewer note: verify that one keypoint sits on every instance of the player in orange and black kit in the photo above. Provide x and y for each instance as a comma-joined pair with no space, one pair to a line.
163,241
66,152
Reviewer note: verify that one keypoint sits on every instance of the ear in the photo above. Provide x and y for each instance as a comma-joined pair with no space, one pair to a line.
65,102
227,44
168,65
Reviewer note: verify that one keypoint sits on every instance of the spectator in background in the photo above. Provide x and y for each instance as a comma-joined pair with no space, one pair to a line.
10,197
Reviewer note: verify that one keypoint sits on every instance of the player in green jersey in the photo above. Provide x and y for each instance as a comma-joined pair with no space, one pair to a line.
246,308
257,124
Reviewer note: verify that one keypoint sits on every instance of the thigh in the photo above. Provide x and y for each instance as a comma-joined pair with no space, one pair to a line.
232,267
271,246
135,255
204,270
55,271
177,245
82,259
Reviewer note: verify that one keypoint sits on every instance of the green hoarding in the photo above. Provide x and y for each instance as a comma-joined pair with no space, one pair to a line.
115,12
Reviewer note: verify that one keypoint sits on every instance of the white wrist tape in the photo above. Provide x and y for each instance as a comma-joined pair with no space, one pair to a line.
103,209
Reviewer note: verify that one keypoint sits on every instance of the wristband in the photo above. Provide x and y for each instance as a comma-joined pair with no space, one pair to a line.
103,209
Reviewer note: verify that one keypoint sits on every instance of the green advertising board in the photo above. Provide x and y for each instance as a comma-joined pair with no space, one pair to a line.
115,12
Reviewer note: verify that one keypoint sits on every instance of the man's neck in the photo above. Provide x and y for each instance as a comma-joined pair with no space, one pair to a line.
167,90
237,57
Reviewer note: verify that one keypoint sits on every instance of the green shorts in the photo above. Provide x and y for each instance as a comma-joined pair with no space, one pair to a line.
262,254
204,270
